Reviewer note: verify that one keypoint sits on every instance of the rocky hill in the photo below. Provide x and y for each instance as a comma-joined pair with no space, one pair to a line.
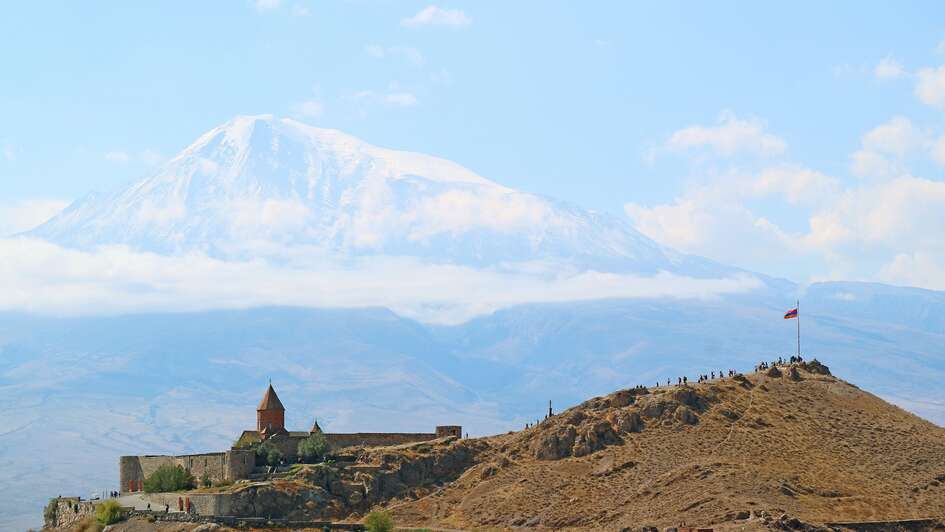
741,451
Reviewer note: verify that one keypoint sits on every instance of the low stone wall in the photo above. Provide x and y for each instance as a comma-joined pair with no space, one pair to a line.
68,510
376,439
289,444
206,504
246,522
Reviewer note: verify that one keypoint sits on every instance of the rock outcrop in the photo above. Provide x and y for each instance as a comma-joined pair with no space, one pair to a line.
339,490
605,421
815,366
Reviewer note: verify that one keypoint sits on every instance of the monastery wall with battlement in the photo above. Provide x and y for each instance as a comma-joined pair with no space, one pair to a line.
238,463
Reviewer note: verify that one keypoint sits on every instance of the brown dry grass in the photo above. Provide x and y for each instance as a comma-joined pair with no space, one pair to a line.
819,449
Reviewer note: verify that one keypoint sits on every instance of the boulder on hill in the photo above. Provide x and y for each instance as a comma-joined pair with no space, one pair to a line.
622,398
655,407
793,374
593,437
687,396
815,366
773,372
626,422
685,415
555,445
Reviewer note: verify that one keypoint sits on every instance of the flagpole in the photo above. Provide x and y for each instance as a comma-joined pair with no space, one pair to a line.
798,307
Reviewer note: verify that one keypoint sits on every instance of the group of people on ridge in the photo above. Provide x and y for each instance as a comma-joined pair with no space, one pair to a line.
703,377
793,359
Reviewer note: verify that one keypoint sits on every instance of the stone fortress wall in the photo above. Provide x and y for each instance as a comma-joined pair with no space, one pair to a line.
288,444
384,439
229,465
237,464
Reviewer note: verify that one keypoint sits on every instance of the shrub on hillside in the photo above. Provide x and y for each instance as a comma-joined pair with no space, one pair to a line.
379,522
205,480
108,512
169,478
268,454
49,514
241,443
87,524
314,448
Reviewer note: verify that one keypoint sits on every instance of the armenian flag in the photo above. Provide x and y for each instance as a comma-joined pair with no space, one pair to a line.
790,314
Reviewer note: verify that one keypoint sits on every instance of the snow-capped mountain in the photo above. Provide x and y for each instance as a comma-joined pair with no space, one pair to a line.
259,185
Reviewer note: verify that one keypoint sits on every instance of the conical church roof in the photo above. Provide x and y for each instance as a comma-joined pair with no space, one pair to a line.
270,401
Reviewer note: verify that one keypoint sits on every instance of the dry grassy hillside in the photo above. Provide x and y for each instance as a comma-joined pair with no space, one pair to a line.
801,442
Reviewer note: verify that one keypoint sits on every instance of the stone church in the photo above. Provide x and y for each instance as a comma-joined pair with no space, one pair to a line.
238,462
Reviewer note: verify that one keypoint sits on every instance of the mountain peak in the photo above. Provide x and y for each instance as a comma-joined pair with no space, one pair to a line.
262,179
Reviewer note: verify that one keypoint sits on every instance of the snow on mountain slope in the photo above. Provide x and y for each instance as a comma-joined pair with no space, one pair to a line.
259,186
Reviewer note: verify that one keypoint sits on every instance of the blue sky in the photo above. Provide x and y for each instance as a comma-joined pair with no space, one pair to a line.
698,121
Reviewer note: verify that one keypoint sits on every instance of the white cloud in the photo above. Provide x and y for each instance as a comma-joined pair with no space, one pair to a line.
299,10
24,215
902,214
45,278
888,68
441,77
151,213
713,221
437,16
887,147
148,157
117,156
271,215
364,99
401,99
407,53
375,50
310,109
797,185
916,269
871,164
880,230
898,137
8,150
732,136
930,86
937,150
459,211
845,70
267,5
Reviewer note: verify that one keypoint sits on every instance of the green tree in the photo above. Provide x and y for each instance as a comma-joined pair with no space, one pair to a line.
108,512
51,511
314,448
205,480
267,453
379,522
169,478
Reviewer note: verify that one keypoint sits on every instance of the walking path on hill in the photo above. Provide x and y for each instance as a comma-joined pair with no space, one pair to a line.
138,502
